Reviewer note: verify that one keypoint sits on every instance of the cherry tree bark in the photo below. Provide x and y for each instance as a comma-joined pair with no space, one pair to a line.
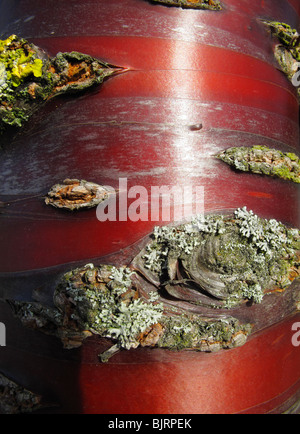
194,83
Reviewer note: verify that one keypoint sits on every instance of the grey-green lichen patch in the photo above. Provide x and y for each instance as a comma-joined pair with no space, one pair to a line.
75,194
263,160
192,332
222,261
15,399
29,77
194,4
94,300
287,52
105,301
162,300
286,35
110,306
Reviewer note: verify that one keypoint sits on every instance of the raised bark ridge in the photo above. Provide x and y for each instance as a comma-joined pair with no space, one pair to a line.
194,4
216,262
29,77
287,50
264,161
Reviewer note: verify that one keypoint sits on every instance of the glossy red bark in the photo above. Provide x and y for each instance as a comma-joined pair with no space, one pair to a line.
261,377
185,67
175,80
194,383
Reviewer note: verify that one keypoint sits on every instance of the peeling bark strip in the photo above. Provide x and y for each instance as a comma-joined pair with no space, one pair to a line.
195,4
29,77
287,52
212,262
14,399
74,194
263,160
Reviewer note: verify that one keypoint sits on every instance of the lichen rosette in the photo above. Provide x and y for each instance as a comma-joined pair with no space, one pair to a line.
222,261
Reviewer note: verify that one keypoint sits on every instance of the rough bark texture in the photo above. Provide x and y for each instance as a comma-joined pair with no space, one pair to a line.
197,83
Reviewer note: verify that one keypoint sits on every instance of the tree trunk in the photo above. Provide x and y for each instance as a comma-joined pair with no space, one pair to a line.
195,83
